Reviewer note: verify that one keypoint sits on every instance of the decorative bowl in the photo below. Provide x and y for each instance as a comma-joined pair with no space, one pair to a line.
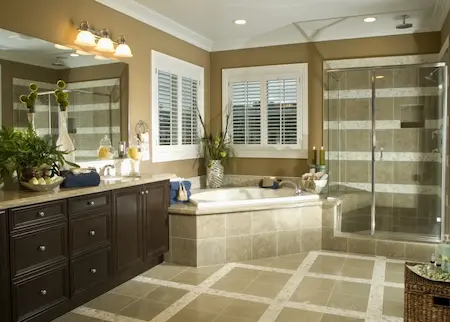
44,187
314,186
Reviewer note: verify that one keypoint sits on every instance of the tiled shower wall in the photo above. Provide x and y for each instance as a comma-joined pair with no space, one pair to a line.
407,116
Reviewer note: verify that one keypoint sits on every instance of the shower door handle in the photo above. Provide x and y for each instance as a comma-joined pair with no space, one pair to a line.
381,154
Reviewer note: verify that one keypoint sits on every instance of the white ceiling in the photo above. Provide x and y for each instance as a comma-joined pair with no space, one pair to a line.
209,23
38,52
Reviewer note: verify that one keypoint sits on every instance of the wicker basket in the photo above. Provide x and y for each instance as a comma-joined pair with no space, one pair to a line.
425,300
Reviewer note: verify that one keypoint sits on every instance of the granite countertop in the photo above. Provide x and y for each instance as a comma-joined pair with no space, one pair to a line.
10,199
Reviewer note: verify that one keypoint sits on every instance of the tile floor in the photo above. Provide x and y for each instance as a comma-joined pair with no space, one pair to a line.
312,287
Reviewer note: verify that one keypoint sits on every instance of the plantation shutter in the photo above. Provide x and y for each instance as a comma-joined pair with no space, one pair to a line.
168,108
189,105
282,118
246,112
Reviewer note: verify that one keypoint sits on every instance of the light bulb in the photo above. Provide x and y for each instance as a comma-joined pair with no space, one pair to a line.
105,44
123,50
85,38
83,53
98,57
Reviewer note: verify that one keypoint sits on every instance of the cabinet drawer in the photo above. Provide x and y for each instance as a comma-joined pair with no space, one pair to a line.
90,271
27,216
38,247
89,232
89,203
40,293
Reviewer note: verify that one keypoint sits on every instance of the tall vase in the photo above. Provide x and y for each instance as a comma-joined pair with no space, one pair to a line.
31,116
214,174
64,141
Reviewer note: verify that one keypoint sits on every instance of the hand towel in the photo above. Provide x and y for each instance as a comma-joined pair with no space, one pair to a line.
175,185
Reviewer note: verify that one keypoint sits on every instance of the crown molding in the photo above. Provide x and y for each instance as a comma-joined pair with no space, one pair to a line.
144,14
440,12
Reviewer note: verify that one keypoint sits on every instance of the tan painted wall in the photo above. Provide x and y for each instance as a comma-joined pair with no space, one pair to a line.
52,22
314,54
445,32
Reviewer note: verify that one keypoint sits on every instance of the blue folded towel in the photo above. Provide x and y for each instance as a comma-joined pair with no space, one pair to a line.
174,194
276,185
175,185
91,179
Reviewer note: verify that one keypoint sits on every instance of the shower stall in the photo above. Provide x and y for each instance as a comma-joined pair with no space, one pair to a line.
385,133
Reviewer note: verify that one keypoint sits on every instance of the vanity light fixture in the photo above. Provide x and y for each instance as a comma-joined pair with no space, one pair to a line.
98,57
240,22
122,50
85,37
104,43
74,55
83,53
58,46
370,19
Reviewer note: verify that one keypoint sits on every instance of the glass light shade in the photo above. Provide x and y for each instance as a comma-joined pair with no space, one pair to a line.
85,38
100,57
82,53
105,44
123,50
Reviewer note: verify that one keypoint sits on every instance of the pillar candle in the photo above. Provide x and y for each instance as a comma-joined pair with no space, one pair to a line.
322,156
314,156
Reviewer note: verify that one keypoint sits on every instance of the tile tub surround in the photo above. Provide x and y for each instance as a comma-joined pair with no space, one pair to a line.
202,240
318,286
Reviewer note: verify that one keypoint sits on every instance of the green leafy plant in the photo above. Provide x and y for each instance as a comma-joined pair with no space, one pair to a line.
30,100
61,95
217,147
28,155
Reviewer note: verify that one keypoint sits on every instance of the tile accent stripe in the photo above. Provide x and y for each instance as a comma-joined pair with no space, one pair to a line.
392,188
379,125
375,304
381,61
387,156
382,92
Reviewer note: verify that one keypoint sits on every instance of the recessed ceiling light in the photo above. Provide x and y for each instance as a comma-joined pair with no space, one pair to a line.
240,22
62,47
370,19
74,55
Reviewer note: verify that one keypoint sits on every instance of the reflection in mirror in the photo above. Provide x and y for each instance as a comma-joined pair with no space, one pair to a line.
97,91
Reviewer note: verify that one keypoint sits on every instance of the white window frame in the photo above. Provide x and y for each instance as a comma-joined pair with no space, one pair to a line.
181,68
263,74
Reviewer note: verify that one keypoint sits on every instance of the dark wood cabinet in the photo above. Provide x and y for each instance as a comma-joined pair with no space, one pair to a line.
128,228
156,217
61,254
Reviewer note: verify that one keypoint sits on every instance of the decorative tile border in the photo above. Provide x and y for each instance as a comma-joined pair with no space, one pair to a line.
392,188
387,156
379,125
382,92
380,61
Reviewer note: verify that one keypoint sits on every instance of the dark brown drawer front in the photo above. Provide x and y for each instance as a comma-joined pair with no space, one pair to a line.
89,203
90,270
40,293
22,217
89,232
39,247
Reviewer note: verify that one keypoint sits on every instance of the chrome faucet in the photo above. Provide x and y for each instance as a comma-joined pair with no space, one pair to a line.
107,170
298,191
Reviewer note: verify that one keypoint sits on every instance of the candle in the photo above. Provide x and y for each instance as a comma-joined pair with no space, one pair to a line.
322,156
314,156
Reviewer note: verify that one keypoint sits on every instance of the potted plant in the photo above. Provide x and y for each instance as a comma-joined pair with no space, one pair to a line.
64,142
24,155
217,150
30,101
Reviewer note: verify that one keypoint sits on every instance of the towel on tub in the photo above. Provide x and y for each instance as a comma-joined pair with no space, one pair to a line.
174,194
175,185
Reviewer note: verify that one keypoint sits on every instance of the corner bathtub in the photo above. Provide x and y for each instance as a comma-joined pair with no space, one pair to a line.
246,196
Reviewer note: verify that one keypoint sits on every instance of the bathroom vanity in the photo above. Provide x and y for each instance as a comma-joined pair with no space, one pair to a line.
61,250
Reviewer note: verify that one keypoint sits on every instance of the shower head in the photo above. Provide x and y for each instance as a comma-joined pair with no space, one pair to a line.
430,78
404,25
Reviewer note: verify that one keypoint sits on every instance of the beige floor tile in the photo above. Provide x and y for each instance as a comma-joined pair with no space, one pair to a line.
110,302
392,308
134,289
351,288
311,297
165,271
328,265
189,278
166,295
295,315
186,315
209,303
244,273
273,277
395,294
245,309
286,264
266,262
337,318
300,257
225,318
356,272
263,289
143,309
207,270
348,302
395,273
231,284
72,317
314,283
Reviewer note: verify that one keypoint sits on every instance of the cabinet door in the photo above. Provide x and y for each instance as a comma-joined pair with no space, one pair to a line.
4,270
156,219
128,228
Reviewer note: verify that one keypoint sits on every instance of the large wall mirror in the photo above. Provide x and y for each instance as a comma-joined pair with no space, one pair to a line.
97,89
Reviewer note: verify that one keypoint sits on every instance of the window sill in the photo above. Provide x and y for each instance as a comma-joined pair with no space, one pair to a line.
248,151
175,153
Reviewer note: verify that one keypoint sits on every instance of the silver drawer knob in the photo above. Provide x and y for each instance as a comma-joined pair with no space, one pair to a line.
146,192
142,192
41,214
92,232
43,292
91,203
42,248
93,270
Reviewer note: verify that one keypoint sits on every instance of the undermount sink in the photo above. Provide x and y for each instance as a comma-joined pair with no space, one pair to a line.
118,178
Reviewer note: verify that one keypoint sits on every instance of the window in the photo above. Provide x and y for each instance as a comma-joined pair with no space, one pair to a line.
177,98
269,110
